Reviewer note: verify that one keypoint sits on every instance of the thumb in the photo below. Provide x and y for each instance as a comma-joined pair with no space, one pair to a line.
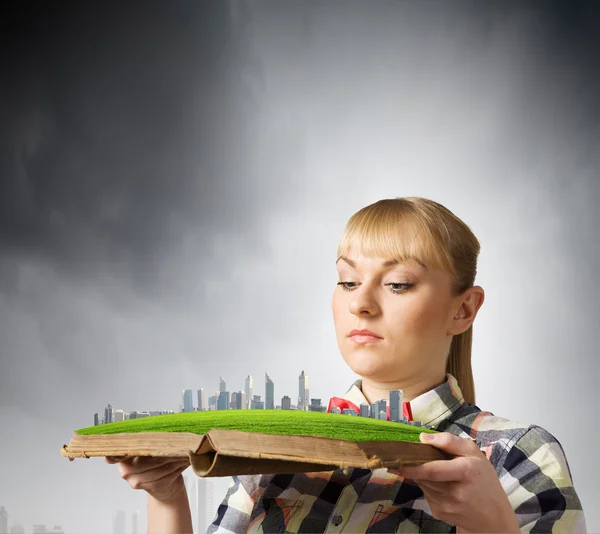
451,443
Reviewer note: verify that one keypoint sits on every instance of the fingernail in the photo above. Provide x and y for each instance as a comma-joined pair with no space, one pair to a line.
427,437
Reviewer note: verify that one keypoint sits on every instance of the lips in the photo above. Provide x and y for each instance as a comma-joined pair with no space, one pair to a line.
364,334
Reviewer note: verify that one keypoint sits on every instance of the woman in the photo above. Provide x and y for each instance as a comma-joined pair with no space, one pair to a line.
403,310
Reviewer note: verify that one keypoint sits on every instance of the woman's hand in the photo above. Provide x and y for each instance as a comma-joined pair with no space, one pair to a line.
159,477
464,491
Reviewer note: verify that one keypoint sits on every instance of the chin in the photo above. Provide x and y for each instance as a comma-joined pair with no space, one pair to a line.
364,363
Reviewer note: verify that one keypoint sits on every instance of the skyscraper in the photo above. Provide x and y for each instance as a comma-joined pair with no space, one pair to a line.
396,405
188,405
135,521
108,414
96,419
3,520
223,400
237,400
202,400
222,385
212,402
303,391
203,505
119,522
286,403
248,390
118,415
269,393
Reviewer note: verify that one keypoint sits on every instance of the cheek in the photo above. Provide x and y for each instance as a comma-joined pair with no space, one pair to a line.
337,308
423,315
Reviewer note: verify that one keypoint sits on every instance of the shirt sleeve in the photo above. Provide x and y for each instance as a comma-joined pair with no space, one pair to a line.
233,514
538,482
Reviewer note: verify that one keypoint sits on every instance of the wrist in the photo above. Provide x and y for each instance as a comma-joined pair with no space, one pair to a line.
175,498
506,524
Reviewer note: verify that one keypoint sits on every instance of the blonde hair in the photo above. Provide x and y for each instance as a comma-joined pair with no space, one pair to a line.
415,228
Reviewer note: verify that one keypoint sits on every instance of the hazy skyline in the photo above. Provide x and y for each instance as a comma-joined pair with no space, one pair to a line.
174,179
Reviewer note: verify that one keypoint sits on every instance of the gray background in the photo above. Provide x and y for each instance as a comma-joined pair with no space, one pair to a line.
174,178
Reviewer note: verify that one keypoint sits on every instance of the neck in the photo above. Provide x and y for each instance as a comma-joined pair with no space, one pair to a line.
374,390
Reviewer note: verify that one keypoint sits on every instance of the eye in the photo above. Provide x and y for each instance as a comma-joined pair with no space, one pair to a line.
398,287
347,286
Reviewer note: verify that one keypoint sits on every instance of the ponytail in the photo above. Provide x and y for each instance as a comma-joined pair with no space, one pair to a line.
459,364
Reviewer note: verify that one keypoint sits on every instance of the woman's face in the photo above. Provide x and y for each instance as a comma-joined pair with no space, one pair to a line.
408,306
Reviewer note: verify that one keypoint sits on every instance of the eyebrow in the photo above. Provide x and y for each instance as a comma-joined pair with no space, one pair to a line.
385,264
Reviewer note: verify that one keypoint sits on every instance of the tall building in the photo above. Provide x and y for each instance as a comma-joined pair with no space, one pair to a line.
202,400
239,400
203,505
135,522
316,406
3,520
257,404
223,400
212,402
222,385
396,405
303,391
248,390
269,393
118,416
96,419
364,410
119,519
108,414
286,403
188,405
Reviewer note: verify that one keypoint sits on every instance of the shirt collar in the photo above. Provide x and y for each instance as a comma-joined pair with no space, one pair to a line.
430,408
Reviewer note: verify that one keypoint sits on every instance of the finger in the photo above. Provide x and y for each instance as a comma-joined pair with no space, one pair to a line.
439,490
160,477
149,462
141,464
436,471
154,472
451,444
113,459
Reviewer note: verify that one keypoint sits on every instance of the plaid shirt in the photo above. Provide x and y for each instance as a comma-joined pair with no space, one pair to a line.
529,461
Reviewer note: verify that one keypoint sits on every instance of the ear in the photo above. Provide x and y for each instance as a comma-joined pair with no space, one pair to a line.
465,310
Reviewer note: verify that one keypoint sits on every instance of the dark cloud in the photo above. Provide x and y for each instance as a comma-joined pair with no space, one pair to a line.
126,126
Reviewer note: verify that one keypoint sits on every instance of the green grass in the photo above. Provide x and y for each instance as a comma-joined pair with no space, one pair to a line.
288,422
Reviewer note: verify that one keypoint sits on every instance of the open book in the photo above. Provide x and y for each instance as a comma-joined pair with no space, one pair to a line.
244,442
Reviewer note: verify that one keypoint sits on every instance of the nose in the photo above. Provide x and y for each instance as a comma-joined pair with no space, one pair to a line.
363,302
